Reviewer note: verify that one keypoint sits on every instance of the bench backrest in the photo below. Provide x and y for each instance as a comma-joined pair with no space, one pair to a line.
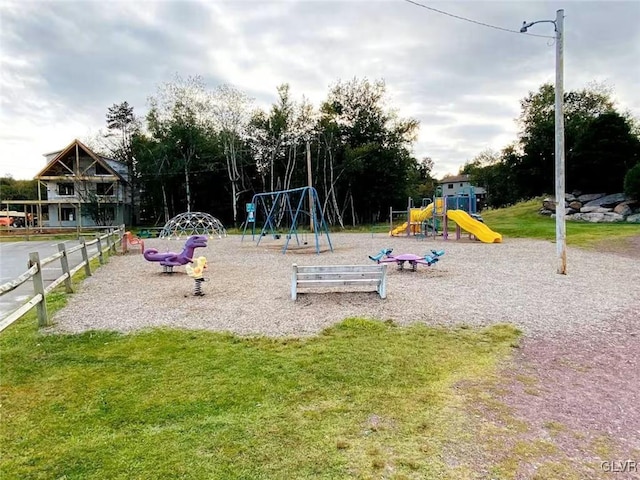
129,240
319,276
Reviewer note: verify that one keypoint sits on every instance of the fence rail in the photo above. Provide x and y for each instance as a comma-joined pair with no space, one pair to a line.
112,238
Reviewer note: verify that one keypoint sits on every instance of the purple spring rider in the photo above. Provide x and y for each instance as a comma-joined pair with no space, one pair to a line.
168,260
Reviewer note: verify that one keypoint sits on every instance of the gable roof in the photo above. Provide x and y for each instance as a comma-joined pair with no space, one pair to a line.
455,178
103,161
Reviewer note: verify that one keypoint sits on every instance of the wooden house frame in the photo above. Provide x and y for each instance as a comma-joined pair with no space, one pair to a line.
83,188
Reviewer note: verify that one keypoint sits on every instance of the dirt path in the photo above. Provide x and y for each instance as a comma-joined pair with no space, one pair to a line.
568,405
627,247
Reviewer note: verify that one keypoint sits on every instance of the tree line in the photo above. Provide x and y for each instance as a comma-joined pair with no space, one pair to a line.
211,150
602,149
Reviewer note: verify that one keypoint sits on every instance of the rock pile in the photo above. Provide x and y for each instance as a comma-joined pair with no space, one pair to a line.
596,207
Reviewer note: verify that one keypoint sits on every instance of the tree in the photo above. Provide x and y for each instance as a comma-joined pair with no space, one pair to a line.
11,189
422,179
368,149
632,182
180,119
231,115
122,125
604,144
495,172
536,172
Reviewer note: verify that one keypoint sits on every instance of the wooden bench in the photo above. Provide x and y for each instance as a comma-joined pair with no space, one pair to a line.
322,276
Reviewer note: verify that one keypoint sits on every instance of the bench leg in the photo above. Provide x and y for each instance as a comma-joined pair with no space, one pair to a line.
294,282
382,288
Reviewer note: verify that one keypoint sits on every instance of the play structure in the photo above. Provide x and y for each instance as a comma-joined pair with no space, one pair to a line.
433,217
197,273
168,260
386,256
193,223
284,212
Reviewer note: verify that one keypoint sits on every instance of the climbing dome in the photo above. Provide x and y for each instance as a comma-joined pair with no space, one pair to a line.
193,223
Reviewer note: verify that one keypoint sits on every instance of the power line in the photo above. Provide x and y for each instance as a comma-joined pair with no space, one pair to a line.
475,21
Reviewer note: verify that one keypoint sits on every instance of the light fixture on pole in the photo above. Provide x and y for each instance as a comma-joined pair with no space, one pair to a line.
561,237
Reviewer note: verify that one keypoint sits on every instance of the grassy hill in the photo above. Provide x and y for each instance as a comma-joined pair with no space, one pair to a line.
524,221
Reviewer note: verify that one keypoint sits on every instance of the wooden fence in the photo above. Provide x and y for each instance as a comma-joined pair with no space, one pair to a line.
107,242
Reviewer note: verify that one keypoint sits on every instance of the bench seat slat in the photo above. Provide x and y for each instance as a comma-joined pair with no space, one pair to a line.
338,283
339,268
341,276
322,276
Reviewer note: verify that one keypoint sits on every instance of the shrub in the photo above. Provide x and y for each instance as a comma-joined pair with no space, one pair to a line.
632,182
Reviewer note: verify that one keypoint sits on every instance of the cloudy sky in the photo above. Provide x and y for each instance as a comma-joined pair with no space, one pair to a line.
63,63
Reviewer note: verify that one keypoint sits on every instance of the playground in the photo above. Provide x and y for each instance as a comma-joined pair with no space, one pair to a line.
248,288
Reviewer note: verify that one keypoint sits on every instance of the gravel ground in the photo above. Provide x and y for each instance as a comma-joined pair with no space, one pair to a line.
249,288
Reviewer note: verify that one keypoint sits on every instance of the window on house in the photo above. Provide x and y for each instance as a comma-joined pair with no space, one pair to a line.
462,184
67,214
450,185
104,189
100,170
65,189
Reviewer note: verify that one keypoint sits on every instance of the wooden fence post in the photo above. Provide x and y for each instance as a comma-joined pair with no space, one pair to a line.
109,243
64,263
85,257
100,257
121,237
38,288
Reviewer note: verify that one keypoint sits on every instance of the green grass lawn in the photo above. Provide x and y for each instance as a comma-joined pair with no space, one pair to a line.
524,221
361,399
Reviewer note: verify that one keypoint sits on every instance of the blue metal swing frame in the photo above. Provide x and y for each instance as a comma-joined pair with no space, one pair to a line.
273,208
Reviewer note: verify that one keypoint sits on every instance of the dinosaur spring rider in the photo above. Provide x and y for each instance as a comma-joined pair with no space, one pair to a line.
168,260
197,273
385,256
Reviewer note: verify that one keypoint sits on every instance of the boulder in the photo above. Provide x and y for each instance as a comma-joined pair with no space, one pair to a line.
607,201
613,217
544,211
574,216
576,205
587,197
549,204
608,217
570,197
596,210
633,205
567,211
623,209
635,218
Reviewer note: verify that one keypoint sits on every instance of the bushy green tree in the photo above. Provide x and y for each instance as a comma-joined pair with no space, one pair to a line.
632,182
12,189
603,151
599,143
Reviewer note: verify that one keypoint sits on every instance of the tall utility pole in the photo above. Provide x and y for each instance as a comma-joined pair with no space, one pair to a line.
561,236
312,205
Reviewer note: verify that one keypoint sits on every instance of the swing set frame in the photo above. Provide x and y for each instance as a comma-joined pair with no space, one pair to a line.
271,206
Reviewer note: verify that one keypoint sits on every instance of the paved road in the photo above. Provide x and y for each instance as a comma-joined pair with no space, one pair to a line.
14,258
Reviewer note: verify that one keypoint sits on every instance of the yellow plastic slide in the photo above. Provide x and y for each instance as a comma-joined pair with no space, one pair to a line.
473,226
417,216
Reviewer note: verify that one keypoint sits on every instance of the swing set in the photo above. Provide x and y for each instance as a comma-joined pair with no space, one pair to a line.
287,206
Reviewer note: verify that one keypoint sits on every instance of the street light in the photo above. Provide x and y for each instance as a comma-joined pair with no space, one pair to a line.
561,237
